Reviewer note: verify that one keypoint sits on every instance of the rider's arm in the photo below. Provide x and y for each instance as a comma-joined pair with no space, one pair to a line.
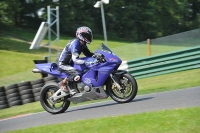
65,57
87,52
75,53
75,58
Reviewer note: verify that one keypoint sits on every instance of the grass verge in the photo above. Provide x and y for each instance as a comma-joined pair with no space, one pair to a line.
167,82
169,121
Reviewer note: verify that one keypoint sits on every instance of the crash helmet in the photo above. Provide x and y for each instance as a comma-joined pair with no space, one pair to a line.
85,34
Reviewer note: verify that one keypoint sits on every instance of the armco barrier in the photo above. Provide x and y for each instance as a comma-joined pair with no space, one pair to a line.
164,63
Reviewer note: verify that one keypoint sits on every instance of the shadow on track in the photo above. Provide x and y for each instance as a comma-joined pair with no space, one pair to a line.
107,104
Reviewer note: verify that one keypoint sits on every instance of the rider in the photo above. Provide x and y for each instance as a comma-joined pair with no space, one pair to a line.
71,52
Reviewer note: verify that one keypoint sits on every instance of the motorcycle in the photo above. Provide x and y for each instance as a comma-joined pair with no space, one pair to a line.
100,78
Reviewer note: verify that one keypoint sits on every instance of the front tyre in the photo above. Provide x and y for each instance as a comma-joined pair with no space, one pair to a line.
60,106
128,91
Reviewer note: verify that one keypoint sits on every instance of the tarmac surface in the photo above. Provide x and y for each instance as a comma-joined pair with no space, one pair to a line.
182,98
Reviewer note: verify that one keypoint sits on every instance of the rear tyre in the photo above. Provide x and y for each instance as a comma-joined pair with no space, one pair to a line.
129,89
47,91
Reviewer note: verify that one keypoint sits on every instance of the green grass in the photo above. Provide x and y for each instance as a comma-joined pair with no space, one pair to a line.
160,83
12,62
25,34
16,57
167,121
137,50
167,82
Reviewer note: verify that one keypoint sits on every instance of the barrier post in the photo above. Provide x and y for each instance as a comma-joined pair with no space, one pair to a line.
148,47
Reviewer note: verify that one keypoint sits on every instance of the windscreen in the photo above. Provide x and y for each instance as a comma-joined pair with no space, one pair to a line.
103,47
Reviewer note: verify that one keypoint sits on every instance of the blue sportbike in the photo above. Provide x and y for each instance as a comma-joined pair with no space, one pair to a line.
100,78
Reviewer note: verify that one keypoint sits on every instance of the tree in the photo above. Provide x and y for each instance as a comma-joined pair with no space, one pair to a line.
132,20
10,11
193,17
74,14
23,13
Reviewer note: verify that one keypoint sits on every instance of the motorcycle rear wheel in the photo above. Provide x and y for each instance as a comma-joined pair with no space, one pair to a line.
61,104
128,92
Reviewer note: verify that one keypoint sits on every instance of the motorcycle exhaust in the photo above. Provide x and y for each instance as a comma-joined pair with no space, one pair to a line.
35,70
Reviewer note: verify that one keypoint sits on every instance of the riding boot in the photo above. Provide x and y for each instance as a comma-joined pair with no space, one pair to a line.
64,83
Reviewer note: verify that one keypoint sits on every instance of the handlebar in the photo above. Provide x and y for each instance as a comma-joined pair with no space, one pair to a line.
100,57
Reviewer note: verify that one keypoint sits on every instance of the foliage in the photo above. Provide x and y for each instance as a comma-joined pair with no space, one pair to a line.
134,20
22,13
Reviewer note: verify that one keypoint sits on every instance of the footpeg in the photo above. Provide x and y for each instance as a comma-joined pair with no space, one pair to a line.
72,92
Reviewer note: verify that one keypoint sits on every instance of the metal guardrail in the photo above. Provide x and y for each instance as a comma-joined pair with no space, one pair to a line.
164,63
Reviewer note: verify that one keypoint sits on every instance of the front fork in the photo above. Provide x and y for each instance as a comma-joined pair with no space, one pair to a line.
116,82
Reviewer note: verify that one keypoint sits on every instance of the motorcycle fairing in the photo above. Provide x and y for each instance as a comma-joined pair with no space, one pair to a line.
47,68
97,77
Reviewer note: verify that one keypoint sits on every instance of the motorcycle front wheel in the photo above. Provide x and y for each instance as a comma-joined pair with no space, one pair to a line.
60,106
128,91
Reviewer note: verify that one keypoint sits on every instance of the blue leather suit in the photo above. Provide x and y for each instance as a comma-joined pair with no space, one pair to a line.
70,54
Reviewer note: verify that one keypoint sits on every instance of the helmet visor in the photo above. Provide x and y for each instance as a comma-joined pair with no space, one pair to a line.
87,37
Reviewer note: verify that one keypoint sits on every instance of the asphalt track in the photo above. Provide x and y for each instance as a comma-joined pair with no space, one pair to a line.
183,98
